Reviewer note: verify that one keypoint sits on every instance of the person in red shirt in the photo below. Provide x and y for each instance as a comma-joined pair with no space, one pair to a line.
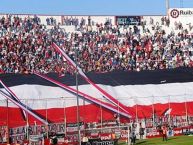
164,133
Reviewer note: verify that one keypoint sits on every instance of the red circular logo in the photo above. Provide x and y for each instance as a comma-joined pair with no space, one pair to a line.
174,13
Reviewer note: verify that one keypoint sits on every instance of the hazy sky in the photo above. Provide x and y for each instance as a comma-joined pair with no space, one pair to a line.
90,7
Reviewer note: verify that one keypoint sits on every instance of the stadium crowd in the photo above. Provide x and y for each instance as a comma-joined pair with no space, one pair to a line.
26,46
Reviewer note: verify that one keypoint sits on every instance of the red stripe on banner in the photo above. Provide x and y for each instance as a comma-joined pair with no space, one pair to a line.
107,95
88,113
99,102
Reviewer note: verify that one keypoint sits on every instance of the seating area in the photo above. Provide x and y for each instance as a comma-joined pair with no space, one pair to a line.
102,46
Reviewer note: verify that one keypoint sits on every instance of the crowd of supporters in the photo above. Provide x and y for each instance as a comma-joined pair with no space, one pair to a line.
26,46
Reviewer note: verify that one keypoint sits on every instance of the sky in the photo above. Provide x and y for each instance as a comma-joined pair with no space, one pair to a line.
91,7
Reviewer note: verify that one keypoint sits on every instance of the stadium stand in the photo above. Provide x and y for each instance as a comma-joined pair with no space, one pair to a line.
149,55
26,42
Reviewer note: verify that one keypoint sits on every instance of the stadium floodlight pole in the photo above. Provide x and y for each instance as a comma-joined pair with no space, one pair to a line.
77,96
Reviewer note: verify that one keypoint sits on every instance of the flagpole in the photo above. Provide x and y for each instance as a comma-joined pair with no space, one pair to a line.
7,102
101,112
27,122
118,116
136,114
153,112
136,111
84,116
77,97
186,109
47,131
169,109
64,105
